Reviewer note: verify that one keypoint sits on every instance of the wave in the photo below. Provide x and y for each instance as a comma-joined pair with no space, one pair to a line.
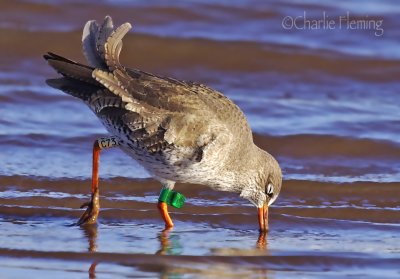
309,145
26,197
144,52
294,146
221,264
305,157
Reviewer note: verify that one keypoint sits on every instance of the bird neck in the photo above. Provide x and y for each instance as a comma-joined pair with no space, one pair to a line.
247,168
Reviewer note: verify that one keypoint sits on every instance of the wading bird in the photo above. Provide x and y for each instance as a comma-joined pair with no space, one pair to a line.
178,131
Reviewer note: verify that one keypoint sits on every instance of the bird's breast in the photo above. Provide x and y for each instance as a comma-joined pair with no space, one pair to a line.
177,164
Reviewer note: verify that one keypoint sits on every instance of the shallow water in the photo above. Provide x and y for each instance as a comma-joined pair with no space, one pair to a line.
324,102
313,230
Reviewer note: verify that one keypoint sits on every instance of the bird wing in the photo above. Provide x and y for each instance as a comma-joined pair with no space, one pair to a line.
153,111
185,110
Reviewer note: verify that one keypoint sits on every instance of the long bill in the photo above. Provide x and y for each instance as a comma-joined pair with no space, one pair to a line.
263,218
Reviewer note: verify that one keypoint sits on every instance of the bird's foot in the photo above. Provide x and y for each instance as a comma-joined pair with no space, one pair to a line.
92,210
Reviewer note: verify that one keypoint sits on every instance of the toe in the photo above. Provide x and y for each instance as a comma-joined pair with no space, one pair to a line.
86,204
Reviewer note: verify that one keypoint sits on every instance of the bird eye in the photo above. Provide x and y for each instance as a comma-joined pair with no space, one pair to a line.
270,190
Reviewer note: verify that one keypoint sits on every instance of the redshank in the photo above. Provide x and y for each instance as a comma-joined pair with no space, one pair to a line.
178,131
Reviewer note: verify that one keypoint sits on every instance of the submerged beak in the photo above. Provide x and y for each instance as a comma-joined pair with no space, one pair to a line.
263,218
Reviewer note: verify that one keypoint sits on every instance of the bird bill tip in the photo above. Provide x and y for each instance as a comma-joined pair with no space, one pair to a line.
263,218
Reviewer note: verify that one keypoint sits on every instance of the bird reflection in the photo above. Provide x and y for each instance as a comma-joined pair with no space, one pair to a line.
257,248
262,241
92,270
90,232
169,244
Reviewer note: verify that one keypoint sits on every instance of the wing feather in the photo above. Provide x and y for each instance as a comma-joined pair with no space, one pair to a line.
153,111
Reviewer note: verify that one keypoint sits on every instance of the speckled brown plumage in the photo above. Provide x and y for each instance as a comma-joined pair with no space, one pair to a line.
179,131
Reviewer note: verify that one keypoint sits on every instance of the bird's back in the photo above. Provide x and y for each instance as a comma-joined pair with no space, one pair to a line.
166,124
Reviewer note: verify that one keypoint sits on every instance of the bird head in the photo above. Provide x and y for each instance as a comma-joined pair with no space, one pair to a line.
273,184
265,186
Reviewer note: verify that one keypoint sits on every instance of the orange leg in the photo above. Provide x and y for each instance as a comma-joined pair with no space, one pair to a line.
95,166
93,206
163,208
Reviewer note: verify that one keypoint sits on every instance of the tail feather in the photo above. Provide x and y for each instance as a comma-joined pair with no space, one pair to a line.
102,44
97,98
69,68
73,87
